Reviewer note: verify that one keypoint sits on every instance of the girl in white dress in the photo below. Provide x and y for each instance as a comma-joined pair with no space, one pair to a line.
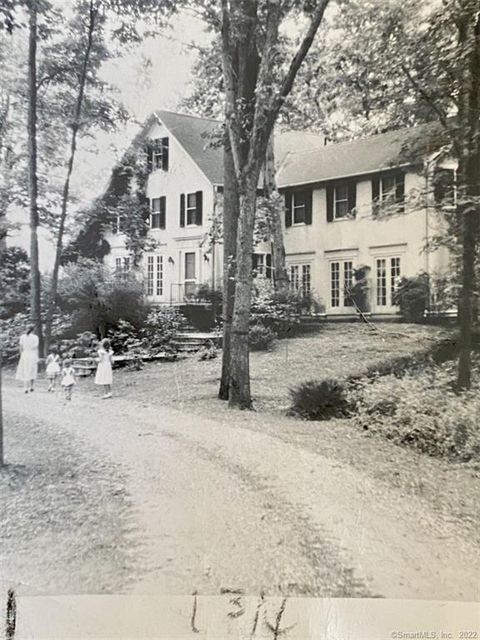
53,368
104,374
68,378
28,363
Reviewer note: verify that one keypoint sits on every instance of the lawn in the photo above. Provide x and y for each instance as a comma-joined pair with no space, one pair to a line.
334,351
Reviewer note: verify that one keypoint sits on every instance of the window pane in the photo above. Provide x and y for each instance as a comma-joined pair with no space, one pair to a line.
150,276
156,220
341,209
394,274
381,282
159,276
189,266
335,283
306,279
191,200
341,192
294,277
156,205
347,283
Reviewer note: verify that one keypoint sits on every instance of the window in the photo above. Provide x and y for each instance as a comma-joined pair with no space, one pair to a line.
158,213
262,265
335,284
341,282
347,283
298,207
117,225
259,264
340,202
190,274
387,271
157,154
154,275
191,209
295,277
122,265
306,279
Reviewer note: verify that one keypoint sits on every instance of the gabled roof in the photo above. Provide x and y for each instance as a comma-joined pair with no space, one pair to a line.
301,157
201,139
357,157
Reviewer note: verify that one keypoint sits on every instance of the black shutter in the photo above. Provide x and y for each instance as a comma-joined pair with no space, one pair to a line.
288,208
254,263
375,194
400,192
330,202
149,154
199,207
182,209
308,206
352,198
268,262
165,154
163,209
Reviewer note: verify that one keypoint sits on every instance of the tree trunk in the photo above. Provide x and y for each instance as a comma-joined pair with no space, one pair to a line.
469,172
66,187
230,225
280,275
240,395
35,300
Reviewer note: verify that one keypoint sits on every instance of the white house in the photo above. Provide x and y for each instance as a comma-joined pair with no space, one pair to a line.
336,197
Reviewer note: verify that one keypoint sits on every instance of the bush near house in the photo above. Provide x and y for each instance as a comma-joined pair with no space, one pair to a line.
422,411
97,299
280,311
412,296
154,336
260,338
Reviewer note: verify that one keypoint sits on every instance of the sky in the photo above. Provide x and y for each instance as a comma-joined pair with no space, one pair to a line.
154,75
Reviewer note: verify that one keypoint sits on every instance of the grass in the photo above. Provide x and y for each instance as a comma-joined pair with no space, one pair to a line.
335,351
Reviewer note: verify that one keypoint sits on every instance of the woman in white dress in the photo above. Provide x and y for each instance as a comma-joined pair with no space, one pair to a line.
28,363
104,374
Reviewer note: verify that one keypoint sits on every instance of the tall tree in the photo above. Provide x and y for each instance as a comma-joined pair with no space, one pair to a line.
35,287
256,88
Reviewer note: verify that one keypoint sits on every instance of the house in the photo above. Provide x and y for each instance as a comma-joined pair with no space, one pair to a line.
353,210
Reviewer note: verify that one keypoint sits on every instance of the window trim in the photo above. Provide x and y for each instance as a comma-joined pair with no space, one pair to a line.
341,280
301,206
154,275
337,200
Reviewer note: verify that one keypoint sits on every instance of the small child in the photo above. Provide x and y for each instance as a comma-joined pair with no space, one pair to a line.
53,368
104,374
68,378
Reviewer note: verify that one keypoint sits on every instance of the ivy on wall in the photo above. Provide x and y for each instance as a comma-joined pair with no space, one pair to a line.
124,202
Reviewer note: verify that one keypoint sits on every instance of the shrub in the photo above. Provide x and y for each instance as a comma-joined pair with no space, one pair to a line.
260,338
412,296
421,411
322,400
160,326
98,299
280,311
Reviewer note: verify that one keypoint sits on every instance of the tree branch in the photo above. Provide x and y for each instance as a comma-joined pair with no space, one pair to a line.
426,96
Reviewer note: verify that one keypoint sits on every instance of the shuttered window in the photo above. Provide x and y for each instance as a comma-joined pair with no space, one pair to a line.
191,209
158,212
298,207
341,200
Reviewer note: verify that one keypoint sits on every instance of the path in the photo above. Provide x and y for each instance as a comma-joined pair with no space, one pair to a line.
213,507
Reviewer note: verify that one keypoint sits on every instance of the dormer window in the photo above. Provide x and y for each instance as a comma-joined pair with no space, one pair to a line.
158,154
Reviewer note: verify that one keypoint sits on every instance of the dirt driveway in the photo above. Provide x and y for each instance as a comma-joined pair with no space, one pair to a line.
126,496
